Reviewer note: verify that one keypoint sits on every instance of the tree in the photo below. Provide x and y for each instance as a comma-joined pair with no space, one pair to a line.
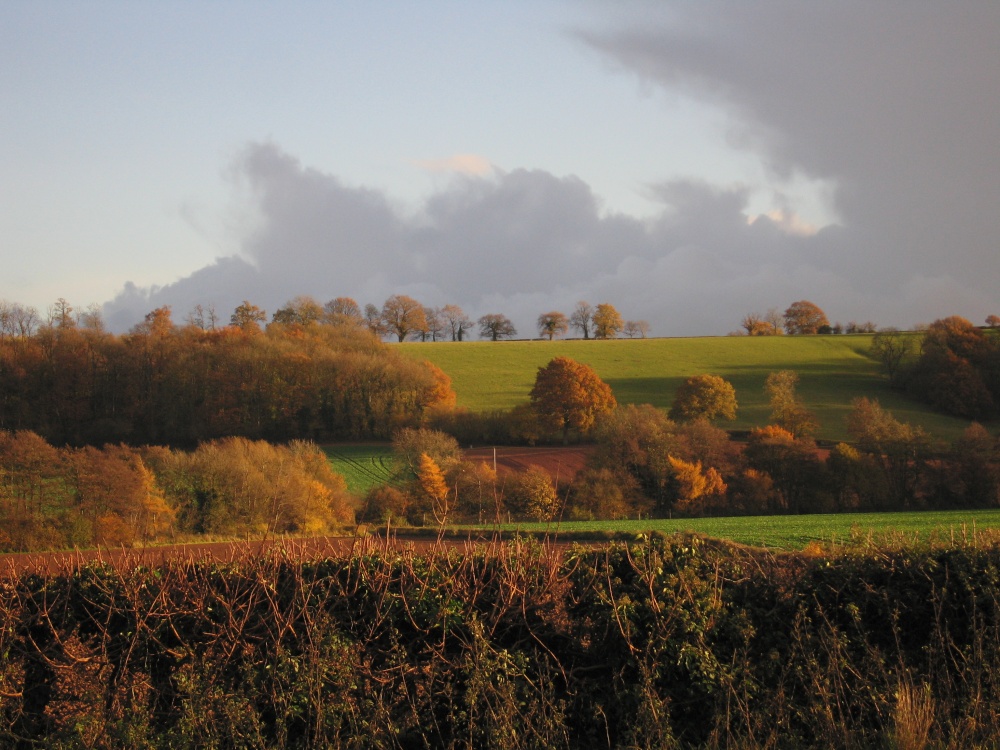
403,315
570,395
342,311
435,323
530,493
756,324
552,324
248,317
635,328
993,321
804,317
302,310
791,463
890,347
61,314
607,321
704,397
201,316
899,449
374,321
787,410
495,327
458,322
433,486
581,318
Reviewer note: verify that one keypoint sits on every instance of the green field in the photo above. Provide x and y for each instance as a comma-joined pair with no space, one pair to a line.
363,465
795,532
832,370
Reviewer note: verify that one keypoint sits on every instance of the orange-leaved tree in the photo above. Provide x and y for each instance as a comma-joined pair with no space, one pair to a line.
704,397
568,395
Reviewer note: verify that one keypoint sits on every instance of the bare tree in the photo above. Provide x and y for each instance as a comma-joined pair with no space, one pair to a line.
582,318
495,327
636,328
552,324
458,321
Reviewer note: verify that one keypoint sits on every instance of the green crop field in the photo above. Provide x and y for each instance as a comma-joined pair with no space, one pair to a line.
795,532
832,370
363,465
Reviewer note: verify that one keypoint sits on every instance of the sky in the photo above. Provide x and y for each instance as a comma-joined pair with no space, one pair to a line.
688,163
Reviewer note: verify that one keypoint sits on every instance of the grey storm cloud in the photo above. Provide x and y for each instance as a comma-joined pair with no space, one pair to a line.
520,242
894,104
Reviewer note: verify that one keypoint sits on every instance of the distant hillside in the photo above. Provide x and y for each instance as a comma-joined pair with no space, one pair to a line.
832,369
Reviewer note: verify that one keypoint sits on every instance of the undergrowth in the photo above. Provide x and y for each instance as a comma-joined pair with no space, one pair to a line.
669,642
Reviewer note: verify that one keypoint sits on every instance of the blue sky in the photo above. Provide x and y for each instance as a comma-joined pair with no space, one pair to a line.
509,157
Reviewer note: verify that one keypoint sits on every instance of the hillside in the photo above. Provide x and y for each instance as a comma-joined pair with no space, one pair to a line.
833,370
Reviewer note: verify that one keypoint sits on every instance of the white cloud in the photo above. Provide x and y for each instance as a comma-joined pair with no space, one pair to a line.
467,164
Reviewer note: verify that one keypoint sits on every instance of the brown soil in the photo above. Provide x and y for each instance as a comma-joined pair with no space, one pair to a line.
562,463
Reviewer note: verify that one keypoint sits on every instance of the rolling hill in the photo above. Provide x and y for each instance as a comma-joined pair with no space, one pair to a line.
833,370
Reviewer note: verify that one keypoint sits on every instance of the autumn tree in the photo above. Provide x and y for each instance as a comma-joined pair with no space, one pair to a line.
248,317
694,486
495,326
552,324
890,347
787,409
530,494
410,443
569,395
958,370
431,481
342,311
607,321
704,397
804,317
769,324
581,319
993,321
791,463
403,316
899,449
458,322
301,310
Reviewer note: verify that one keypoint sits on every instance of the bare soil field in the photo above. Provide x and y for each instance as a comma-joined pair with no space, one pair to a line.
562,463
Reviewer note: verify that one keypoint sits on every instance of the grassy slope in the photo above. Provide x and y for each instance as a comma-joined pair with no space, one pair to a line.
832,369
795,532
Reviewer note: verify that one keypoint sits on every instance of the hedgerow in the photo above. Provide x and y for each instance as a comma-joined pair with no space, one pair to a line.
668,642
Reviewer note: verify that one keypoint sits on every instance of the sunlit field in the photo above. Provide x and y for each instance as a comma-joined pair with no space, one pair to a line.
833,370
795,532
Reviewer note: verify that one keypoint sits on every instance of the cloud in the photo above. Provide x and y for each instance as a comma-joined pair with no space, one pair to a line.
892,105
467,164
519,242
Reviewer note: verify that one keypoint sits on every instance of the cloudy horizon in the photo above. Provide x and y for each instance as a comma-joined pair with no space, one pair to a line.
688,163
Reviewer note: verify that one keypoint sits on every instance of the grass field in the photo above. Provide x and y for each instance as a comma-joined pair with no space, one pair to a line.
832,370
363,465
795,532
